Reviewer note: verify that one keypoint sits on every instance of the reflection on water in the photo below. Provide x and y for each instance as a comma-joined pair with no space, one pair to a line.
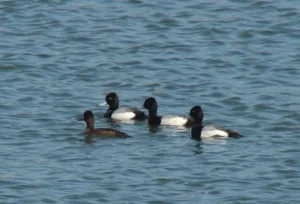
153,129
197,148
89,139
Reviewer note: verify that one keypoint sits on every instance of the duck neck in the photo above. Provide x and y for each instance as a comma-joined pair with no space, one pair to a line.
89,128
111,109
108,113
199,120
153,112
153,119
196,131
114,106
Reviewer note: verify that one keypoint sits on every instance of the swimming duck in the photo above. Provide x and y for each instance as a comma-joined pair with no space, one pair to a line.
199,131
151,105
90,127
122,113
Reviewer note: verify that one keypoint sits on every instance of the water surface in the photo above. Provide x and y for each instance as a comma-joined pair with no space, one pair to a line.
238,60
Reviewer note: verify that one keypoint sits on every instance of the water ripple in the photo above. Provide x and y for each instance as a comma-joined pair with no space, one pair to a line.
238,60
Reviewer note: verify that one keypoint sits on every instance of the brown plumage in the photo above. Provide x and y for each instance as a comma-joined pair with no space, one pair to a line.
108,132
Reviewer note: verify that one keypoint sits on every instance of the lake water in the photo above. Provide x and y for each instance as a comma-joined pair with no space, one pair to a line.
239,60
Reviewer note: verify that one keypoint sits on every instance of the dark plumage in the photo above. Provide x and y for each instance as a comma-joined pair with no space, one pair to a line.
90,129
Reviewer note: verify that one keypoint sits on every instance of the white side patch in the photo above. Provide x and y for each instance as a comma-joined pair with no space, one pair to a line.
123,115
173,120
211,131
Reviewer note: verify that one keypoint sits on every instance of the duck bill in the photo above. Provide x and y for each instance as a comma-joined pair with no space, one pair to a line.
103,104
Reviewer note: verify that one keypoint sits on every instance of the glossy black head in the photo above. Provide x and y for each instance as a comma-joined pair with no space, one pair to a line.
151,105
112,100
197,113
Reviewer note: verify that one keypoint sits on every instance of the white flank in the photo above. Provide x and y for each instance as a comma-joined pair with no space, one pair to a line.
211,131
173,120
121,114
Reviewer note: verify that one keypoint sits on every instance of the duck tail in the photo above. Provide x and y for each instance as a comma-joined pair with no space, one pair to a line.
123,135
140,115
234,134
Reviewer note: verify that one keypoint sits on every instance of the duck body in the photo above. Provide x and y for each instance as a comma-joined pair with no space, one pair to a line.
125,113
106,132
174,120
171,120
203,132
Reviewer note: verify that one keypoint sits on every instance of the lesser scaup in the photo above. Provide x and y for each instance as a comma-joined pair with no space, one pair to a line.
151,105
122,113
90,128
199,131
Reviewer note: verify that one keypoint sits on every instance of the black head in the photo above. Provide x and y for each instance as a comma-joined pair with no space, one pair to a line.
150,104
112,100
197,113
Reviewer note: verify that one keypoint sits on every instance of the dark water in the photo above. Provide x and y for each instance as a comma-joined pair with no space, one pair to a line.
239,60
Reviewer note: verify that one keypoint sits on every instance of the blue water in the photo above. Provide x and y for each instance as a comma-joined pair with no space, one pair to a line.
239,60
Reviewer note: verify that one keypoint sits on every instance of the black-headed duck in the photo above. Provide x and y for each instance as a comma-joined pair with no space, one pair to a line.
199,131
121,113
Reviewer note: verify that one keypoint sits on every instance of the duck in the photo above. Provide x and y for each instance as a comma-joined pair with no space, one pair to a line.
172,120
200,131
88,117
121,113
